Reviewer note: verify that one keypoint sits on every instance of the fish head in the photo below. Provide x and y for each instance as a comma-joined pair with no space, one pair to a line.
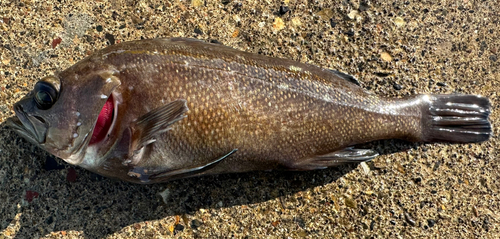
60,113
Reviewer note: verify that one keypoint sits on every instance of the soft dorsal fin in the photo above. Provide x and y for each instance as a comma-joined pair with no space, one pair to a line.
149,126
346,77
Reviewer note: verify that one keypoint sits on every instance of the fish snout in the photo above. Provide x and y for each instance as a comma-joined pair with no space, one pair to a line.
29,124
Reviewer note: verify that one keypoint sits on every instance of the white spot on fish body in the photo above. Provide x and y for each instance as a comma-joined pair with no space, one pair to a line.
295,68
283,86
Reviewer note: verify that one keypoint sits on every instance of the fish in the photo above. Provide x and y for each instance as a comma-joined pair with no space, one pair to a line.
155,110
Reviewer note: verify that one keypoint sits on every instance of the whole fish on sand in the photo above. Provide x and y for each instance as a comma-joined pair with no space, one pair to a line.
154,110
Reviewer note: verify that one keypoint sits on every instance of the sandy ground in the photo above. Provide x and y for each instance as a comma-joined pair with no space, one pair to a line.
395,48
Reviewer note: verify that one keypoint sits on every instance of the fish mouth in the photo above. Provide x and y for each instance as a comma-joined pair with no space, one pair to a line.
32,128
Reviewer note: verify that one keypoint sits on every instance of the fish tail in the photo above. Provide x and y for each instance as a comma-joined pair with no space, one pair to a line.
456,119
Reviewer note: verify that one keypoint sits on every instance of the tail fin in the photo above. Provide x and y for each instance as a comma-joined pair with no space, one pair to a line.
456,119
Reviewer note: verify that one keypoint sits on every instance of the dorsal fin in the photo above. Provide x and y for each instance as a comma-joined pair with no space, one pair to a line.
346,77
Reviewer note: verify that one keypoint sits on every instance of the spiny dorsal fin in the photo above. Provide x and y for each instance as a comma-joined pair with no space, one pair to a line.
346,77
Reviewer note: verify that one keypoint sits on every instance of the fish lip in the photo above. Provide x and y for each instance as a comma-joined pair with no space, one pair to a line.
24,126
17,125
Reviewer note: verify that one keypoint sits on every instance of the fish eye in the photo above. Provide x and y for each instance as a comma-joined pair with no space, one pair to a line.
45,95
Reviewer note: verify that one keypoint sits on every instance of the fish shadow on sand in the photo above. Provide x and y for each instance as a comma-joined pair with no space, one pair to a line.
100,206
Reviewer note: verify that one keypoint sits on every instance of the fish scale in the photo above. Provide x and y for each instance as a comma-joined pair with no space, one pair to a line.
185,108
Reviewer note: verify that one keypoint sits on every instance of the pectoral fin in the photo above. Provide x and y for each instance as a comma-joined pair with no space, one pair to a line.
149,126
344,156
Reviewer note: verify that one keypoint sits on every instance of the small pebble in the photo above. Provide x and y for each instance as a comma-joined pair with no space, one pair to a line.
238,6
476,213
353,14
349,33
110,38
350,203
137,226
6,20
179,227
365,168
326,13
409,219
278,24
300,222
165,195
284,10
198,31
431,222
441,84
386,56
99,28
196,223
197,3
399,21
397,86
363,6
332,22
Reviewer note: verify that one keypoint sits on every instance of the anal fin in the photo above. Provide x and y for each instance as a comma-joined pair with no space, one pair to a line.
337,158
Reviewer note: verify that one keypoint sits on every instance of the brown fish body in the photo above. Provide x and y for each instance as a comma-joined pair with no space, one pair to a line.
185,108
